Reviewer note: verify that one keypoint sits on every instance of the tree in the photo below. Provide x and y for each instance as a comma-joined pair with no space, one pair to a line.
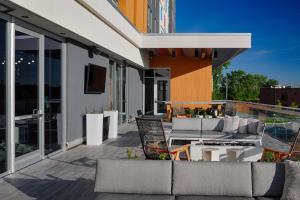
271,83
218,80
242,86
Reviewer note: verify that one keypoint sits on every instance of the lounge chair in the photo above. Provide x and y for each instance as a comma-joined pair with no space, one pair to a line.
154,141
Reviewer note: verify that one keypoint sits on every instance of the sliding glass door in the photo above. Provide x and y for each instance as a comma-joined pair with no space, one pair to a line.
28,94
3,143
53,114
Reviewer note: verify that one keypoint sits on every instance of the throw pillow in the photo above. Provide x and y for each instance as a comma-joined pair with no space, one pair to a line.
260,127
243,128
231,125
291,189
252,126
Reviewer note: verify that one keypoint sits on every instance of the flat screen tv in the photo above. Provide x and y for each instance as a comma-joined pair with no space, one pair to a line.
95,78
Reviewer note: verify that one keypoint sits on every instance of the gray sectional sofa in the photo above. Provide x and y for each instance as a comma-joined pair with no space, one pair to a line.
235,129
169,180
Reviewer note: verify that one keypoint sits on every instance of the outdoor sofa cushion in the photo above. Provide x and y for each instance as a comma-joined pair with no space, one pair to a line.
216,135
212,198
191,124
113,196
185,134
291,190
213,124
134,176
247,136
243,126
231,125
268,179
267,198
212,178
252,125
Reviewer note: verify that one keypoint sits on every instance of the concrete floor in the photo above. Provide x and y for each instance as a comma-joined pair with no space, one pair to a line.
70,175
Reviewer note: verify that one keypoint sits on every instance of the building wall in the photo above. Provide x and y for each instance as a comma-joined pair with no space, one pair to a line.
285,95
191,78
79,103
136,12
135,91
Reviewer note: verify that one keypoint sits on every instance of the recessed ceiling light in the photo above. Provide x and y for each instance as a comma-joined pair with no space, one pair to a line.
25,16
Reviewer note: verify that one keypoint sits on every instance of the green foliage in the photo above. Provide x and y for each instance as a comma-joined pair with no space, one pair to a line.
218,80
130,155
294,105
271,83
242,86
162,156
270,157
279,103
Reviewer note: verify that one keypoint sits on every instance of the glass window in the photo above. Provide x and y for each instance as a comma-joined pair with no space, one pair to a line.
118,81
53,115
26,92
3,147
26,73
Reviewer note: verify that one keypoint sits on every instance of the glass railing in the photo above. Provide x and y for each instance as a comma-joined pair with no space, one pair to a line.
282,123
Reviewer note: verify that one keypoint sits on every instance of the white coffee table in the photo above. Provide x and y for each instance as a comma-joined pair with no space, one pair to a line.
243,153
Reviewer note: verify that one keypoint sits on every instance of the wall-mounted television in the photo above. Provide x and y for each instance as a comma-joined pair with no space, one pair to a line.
95,78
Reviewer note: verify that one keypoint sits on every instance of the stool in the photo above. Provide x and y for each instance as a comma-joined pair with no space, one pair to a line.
234,154
210,154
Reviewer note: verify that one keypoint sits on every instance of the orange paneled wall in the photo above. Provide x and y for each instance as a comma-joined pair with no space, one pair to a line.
191,78
136,12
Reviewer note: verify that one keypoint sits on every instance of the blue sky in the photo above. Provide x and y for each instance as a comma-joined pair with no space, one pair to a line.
274,24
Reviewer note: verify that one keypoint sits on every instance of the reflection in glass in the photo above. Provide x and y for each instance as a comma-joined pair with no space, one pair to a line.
26,136
118,75
26,74
162,95
124,94
26,92
53,117
2,98
149,96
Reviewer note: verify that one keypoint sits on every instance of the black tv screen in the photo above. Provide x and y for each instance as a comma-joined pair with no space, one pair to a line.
95,78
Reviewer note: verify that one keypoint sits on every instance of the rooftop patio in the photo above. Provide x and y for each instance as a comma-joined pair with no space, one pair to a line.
71,174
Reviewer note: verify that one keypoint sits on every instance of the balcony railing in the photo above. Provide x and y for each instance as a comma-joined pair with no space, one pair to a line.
282,123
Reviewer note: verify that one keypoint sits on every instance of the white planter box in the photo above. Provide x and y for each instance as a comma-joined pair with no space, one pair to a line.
113,123
94,129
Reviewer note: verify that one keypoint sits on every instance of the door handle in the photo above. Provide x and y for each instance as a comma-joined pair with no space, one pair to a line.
36,113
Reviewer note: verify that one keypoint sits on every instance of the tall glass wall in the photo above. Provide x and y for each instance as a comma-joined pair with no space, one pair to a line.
3,147
26,93
118,88
53,116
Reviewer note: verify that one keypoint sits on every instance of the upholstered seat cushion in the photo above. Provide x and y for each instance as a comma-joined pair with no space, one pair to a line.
134,176
247,136
243,126
253,125
231,125
113,196
267,198
216,135
212,178
213,124
212,198
268,179
291,190
185,134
